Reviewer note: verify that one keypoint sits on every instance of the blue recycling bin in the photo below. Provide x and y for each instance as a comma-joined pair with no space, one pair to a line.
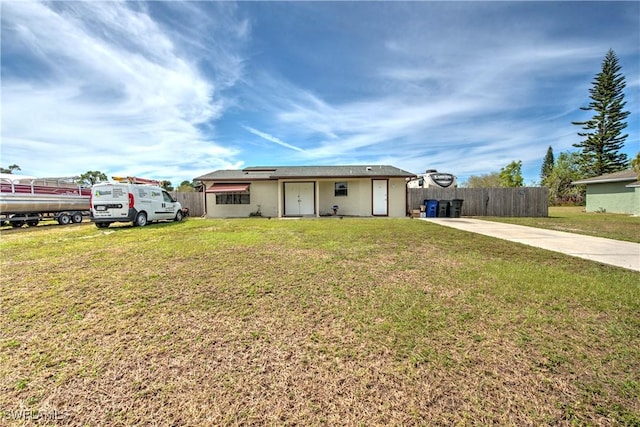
432,208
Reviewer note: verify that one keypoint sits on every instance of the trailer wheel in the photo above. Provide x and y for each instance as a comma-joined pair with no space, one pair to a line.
17,223
32,222
141,219
64,219
76,217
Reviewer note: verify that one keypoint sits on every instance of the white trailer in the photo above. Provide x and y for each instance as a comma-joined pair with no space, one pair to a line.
433,178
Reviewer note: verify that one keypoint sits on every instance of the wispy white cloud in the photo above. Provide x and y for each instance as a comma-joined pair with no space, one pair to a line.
159,87
112,89
271,138
467,105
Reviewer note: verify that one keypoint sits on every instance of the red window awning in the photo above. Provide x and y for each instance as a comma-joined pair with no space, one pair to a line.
228,188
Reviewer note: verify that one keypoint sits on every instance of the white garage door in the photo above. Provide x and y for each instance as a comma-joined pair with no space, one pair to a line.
299,198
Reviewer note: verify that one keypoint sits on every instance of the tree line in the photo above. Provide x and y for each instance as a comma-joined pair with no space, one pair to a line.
599,152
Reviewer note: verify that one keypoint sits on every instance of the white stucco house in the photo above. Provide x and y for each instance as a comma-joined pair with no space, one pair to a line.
617,192
306,191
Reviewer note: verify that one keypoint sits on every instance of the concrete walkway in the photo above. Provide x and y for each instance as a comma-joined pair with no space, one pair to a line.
606,251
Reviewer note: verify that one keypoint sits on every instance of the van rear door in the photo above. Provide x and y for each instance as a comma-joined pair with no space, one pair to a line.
110,201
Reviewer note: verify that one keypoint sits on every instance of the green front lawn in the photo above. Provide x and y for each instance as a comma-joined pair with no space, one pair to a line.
574,219
309,322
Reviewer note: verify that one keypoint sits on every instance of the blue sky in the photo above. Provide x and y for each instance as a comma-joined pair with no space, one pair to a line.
173,90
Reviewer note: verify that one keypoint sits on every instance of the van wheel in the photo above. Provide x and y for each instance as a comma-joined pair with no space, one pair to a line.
178,215
141,219
102,224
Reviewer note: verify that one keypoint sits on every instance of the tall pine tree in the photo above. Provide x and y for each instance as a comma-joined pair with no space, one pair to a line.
547,166
600,151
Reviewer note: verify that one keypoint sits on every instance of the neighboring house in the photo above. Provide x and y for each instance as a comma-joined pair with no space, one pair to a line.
617,192
295,191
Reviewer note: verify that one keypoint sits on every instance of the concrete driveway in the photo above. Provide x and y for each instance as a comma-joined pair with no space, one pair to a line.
606,251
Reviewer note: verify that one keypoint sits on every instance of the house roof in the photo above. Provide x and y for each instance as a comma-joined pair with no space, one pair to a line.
233,175
622,176
280,172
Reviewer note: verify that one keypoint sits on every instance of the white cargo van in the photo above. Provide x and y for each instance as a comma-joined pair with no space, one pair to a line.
127,201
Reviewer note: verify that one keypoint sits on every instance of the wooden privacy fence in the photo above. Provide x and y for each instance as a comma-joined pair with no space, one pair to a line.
521,201
192,200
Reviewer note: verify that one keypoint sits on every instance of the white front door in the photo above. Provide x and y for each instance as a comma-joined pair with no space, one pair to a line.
299,198
380,189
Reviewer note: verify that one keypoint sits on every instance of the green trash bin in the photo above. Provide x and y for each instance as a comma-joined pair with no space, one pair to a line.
443,208
455,208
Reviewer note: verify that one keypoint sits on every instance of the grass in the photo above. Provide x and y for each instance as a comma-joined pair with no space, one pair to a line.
313,322
574,219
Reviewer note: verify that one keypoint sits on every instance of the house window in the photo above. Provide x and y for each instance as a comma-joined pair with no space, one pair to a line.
233,198
340,189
